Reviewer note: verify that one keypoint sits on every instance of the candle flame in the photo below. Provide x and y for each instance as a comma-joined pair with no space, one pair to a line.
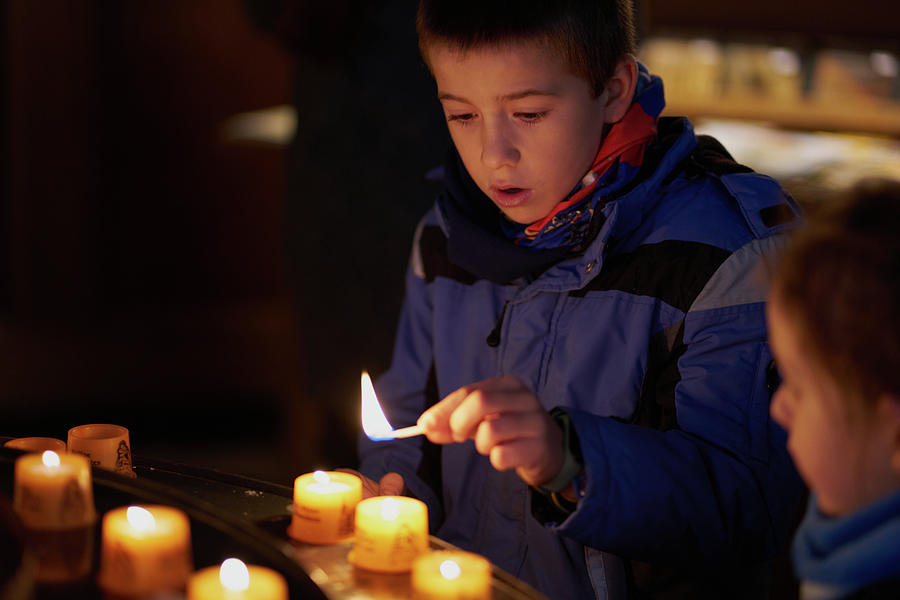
450,570
140,518
389,509
374,423
50,458
321,477
234,575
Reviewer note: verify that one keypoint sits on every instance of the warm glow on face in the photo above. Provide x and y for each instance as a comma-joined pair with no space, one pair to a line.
450,570
50,458
234,575
140,519
321,477
389,509
374,423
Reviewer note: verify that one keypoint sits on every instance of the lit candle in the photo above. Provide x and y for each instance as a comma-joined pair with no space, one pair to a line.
451,575
53,491
144,550
324,504
391,531
234,580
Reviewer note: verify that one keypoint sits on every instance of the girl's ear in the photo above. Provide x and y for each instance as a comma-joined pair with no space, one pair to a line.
619,89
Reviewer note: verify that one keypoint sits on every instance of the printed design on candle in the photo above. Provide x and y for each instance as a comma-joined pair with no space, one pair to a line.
406,544
73,508
94,463
123,457
346,522
118,562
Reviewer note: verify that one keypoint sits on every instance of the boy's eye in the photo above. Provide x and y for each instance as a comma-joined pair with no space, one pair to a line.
531,117
461,117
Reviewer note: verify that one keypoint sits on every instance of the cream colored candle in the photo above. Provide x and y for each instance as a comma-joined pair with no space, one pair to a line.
53,491
391,531
108,446
451,575
144,550
234,580
324,505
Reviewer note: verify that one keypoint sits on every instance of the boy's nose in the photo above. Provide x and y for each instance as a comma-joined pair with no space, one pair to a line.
497,147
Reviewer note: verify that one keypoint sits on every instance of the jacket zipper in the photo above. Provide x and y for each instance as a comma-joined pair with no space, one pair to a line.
493,338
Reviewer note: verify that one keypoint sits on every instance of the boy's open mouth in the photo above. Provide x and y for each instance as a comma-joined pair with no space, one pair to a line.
509,197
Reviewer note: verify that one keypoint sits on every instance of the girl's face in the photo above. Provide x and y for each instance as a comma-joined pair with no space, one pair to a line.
843,452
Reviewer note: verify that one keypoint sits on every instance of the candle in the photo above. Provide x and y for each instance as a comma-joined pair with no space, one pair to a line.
108,446
53,491
324,505
37,444
234,580
53,497
451,575
144,550
391,531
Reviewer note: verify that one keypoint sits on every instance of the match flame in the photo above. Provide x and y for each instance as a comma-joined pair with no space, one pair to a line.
50,458
389,509
321,477
140,518
374,423
450,570
234,575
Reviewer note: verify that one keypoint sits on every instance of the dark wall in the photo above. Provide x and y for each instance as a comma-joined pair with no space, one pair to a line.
143,277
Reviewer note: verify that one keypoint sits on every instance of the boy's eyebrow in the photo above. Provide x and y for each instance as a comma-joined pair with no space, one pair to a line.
503,98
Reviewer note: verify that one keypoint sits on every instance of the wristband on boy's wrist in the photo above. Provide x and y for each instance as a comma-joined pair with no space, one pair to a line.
573,464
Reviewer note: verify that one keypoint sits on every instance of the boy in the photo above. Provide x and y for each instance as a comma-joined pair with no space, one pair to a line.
834,316
590,258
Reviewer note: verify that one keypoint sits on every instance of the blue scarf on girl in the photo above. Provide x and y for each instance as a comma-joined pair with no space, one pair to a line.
834,557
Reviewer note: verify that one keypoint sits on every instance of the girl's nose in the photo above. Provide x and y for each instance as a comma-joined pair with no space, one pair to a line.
781,410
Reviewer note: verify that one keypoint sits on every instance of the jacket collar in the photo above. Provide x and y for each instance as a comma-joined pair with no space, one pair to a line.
476,243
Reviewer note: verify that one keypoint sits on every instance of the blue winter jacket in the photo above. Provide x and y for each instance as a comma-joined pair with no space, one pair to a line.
651,336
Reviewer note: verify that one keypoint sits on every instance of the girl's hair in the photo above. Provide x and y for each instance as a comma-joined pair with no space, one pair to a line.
591,35
839,281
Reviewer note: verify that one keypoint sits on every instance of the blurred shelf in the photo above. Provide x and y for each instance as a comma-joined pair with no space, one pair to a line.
874,117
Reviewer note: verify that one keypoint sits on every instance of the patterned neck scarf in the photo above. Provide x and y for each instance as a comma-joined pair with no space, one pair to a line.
617,163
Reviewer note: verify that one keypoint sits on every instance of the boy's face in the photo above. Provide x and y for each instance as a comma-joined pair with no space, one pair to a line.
843,454
527,129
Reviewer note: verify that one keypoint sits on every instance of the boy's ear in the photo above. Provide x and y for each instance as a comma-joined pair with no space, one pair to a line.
619,90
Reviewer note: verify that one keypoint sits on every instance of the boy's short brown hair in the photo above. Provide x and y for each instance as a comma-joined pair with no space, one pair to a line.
839,281
591,35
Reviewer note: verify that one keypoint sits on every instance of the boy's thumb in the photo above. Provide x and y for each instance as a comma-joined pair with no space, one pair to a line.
391,485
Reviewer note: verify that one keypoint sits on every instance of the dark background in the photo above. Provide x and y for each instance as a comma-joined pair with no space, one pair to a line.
219,298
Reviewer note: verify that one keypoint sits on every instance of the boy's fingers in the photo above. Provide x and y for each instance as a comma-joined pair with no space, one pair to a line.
481,404
444,423
436,420
505,428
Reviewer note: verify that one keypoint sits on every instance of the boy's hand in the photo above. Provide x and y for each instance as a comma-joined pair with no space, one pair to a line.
507,423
